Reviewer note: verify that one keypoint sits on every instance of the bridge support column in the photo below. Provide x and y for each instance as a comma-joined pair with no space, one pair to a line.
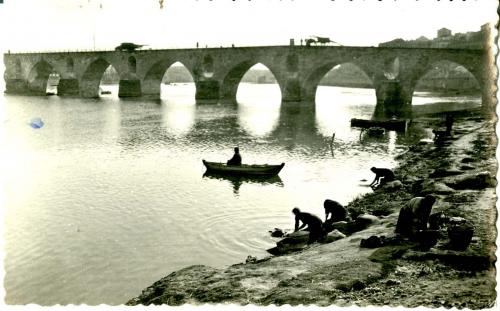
16,86
38,87
151,88
207,90
393,100
68,87
489,101
291,91
129,88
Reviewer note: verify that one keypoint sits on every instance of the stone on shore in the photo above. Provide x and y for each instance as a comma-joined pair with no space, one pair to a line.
440,172
366,220
431,186
393,185
475,181
334,236
294,241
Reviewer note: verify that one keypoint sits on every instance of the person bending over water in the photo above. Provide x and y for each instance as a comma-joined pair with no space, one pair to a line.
236,159
335,210
382,176
313,223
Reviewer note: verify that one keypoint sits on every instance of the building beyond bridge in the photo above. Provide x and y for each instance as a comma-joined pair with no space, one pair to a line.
217,72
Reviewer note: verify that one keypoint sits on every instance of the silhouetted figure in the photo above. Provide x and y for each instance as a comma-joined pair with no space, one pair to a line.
449,123
382,176
414,216
236,159
313,223
335,210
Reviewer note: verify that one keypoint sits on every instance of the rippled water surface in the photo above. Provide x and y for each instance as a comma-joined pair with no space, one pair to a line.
109,195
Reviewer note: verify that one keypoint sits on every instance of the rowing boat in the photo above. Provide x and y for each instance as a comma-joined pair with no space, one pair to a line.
244,169
400,125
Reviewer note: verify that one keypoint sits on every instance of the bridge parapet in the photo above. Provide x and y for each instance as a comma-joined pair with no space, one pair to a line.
217,72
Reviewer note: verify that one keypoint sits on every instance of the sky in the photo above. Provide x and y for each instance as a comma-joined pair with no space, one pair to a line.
54,25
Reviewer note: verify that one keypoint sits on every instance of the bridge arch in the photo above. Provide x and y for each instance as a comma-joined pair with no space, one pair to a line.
233,77
471,64
313,79
152,81
448,78
38,77
92,76
177,85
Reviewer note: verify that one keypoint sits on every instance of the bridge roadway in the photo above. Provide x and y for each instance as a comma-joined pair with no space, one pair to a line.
394,72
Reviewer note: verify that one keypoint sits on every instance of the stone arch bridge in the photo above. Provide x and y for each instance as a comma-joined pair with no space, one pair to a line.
216,72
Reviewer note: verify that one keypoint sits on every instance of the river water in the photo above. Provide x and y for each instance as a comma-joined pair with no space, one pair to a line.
109,195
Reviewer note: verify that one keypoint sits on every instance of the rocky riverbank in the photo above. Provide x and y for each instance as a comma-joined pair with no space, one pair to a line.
459,171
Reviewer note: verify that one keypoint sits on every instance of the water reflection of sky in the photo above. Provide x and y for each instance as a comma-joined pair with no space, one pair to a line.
258,108
336,106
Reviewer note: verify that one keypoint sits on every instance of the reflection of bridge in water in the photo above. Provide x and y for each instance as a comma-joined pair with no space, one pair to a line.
295,128
394,72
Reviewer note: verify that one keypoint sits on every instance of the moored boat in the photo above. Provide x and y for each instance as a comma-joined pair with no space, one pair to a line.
376,131
399,125
244,169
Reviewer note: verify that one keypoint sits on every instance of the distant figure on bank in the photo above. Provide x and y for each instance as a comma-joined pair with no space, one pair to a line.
313,223
236,159
335,210
414,216
449,123
382,176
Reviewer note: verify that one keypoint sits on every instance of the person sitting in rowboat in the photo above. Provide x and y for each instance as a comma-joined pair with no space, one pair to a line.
236,159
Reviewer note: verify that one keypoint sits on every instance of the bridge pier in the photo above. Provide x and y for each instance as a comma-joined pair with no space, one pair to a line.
89,88
129,88
151,88
393,100
37,87
291,91
68,87
207,90
16,86
489,101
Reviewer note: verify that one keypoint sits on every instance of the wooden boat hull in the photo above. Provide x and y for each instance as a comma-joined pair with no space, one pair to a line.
391,125
244,169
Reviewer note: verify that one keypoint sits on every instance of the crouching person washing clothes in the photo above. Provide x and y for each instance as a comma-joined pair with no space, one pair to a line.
382,176
313,223
414,216
335,210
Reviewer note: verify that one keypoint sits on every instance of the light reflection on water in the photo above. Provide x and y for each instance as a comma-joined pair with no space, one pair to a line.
109,196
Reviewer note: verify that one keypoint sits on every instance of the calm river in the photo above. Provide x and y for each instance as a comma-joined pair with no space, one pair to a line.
109,195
